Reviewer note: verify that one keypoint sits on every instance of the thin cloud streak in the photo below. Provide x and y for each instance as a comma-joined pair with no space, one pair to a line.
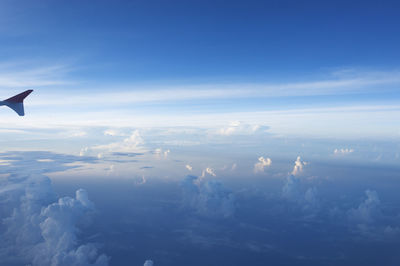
160,94
24,75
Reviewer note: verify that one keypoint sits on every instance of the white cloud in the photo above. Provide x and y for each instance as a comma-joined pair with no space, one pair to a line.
343,151
44,160
42,231
207,198
189,167
262,164
298,166
241,128
129,94
148,263
209,171
132,143
295,190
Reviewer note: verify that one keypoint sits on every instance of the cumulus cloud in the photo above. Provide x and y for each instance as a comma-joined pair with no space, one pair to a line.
291,188
189,167
43,232
37,228
262,164
295,190
298,166
130,145
209,171
148,263
59,231
343,151
240,128
207,198
369,220
368,210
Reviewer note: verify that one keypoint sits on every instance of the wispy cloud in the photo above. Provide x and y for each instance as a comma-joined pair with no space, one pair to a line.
32,74
360,82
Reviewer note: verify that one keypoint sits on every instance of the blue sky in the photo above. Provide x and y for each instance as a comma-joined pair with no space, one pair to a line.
158,40
203,58
200,133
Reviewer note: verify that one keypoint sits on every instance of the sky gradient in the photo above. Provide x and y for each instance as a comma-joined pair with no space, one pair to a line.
200,133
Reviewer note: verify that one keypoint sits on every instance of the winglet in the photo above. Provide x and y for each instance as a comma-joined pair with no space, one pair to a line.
19,98
17,102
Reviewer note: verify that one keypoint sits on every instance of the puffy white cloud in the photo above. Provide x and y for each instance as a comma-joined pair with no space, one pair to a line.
240,128
189,167
370,220
209,171
262,164
298,166
148,263
368,210
37,228
343,151
207,198
296,191
59,232
131,144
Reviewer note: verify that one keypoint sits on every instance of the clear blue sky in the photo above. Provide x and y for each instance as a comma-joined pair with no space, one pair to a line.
152,40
